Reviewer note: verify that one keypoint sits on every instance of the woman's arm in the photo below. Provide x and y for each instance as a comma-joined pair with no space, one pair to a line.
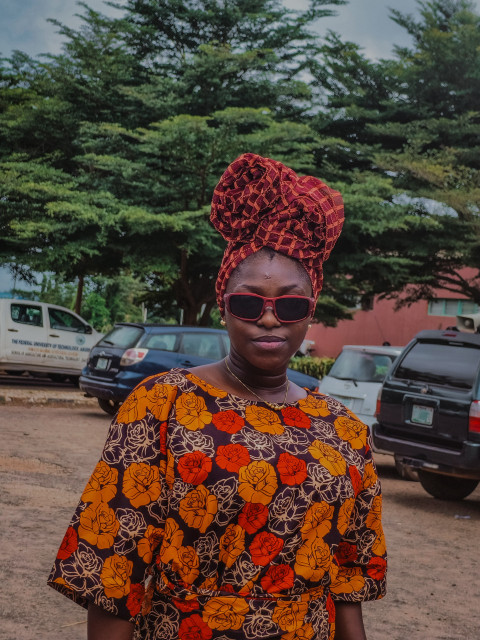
102,625
349,621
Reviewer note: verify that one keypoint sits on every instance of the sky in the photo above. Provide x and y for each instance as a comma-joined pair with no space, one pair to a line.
24,23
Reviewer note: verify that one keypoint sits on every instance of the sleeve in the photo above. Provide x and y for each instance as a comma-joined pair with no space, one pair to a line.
107,550
361,555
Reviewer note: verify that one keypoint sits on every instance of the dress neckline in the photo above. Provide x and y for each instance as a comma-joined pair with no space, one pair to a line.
235,397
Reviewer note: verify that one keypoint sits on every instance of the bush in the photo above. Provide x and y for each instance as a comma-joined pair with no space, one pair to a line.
315,367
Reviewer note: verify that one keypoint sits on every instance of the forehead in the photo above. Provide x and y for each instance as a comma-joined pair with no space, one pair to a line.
270,273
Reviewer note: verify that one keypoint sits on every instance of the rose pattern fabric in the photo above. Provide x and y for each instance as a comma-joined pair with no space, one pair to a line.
211,517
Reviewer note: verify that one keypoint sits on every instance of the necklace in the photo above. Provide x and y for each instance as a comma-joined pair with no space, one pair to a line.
273,405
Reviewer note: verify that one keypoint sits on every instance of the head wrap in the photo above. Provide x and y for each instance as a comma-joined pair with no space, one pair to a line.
260,202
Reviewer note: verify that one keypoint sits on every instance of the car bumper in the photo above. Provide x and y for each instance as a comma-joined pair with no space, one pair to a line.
462,462
117,390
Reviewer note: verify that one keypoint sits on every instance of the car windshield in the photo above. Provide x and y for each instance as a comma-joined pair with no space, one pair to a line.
121,336
451,365
361,366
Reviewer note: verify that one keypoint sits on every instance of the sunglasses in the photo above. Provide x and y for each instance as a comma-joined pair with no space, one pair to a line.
251,307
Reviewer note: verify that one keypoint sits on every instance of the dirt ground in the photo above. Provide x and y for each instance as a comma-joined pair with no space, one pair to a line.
48,453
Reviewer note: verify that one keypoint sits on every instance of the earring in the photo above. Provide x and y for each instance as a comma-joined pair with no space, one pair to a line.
309,326
223,323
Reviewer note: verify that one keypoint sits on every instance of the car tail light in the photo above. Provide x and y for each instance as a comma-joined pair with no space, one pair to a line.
132,356
474,417
379,404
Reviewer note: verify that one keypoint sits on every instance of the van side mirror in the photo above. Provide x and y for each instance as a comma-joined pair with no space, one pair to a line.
88,329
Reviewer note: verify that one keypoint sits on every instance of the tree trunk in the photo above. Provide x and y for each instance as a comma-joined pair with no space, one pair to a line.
78,299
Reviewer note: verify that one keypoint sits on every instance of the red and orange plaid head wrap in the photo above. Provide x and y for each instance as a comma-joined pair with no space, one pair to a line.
260,202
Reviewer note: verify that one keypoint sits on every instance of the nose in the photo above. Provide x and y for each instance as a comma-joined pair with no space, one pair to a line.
268,318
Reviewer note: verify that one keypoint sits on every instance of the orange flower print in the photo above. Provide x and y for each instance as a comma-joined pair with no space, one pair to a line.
346,553
225,612
292,470
278,578
69,544
257,482
192,412
296,418
194,467
374,517
352,431
186,605
186,564
198,508
228,421
172,541
313,406
102,486
253,516
318,520
356,479
328,457
289,615
98,525
160,400
115,576
232,543
379,545
232,456
134,407
313,559
369,476
194,628
169,469
141,484
264,420
265,547
377,568
344,515
209,388
209,584
150,541
135,599
348,581
305,632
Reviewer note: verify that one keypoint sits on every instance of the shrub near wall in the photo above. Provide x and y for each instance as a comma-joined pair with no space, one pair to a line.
312,366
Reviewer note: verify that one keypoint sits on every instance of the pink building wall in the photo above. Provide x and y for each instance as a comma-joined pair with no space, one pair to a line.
381,324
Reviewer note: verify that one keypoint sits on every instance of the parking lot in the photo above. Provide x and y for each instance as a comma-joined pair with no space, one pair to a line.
48,453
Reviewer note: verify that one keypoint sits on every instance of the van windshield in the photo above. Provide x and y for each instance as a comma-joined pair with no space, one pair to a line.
122,336
361,366
451,365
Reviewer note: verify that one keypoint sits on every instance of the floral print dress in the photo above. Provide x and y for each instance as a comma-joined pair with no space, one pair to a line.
210,516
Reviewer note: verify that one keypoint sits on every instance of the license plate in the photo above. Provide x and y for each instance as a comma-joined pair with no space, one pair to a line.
422,415
348,402
102,363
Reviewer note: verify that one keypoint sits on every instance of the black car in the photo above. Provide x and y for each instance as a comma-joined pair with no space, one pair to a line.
132,351
429,413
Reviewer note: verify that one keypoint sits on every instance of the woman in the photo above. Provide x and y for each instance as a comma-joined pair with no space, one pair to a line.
228,502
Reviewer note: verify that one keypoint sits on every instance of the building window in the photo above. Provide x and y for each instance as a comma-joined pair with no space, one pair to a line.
451,307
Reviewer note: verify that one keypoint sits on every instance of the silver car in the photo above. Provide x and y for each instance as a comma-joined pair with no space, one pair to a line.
357,376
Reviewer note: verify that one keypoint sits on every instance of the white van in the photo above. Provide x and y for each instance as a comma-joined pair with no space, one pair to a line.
43,338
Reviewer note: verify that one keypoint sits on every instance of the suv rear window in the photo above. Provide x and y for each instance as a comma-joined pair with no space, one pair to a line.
361,366
445,364
124,337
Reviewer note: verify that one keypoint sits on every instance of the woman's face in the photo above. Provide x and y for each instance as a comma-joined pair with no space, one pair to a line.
267,343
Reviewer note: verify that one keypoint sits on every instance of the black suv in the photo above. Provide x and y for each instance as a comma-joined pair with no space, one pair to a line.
429,413
131,352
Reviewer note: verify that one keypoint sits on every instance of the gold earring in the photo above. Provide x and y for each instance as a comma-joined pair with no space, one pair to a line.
309,326
223,323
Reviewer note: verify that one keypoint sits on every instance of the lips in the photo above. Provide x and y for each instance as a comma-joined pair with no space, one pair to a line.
269,342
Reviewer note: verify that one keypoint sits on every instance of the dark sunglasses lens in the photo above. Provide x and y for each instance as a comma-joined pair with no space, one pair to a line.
248,307
292,309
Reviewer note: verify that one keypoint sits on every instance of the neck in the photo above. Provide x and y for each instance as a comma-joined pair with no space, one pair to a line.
257,379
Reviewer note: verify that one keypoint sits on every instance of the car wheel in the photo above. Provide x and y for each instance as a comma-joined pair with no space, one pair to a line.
446,487
109,406
407,473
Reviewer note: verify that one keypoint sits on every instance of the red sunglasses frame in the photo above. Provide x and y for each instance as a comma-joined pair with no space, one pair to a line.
272,301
